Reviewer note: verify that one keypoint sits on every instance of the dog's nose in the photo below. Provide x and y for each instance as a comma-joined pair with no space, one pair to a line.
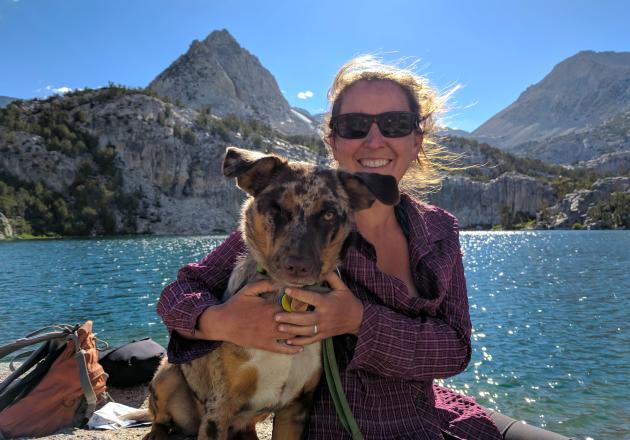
295,266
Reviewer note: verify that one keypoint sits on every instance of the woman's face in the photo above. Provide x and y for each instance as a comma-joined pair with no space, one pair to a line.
375,153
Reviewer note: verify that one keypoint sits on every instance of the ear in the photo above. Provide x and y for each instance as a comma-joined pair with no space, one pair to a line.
253,170
364,188
418,145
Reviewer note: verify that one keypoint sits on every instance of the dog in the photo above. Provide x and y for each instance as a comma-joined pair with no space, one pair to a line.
294,223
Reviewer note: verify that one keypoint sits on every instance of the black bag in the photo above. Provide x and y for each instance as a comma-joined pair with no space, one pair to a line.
133,363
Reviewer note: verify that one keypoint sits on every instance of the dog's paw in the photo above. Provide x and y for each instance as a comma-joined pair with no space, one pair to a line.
158,432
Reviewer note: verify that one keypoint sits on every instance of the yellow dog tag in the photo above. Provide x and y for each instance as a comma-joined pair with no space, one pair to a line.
285,303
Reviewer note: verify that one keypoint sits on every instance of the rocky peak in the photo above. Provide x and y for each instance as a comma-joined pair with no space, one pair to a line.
583,90
222,38
219,74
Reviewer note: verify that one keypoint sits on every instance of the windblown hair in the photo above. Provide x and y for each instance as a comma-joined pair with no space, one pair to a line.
424,175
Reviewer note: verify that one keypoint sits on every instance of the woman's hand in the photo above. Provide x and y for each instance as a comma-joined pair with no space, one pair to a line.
336,313
247,320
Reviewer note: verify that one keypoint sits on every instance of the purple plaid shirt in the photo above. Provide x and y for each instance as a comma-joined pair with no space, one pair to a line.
403,344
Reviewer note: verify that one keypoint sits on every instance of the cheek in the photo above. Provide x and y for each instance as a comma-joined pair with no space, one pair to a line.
408,150
330,252
343,153
262,232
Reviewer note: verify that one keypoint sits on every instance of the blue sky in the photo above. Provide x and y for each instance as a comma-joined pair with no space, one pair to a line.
494,49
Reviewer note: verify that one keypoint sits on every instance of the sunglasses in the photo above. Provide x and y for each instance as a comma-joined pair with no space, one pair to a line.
391,124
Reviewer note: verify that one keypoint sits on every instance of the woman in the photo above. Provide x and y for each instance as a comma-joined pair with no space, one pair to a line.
399,312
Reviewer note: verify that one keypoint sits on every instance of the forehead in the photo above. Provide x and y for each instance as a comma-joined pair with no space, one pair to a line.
306,187
374,97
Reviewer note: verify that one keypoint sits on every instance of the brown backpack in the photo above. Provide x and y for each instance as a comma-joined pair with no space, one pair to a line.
57,386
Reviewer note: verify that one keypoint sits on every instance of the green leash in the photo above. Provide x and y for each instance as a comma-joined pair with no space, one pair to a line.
331,369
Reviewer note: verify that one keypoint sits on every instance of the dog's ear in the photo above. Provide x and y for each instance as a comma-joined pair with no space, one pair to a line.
253,170
364,188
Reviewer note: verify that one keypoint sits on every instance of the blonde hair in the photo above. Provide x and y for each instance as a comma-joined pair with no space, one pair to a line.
424,174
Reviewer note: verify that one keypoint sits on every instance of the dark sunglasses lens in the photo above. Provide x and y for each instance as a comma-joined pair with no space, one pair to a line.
395,124
353,126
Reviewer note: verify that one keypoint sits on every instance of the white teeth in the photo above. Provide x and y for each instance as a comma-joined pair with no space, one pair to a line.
374,163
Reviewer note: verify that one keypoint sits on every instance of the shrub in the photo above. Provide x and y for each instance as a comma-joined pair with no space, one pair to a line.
220,130
613,213
189,137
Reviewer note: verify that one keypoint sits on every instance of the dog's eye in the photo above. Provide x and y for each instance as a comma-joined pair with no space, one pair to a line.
329,215
276,210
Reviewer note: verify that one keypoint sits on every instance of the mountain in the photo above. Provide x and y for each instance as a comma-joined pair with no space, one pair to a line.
580,93
453,132
217,73
611,163
118,160
585,144
493,187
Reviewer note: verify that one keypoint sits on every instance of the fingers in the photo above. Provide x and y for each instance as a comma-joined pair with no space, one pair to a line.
335,282
304,340
298,330
258,288
312,298
282,347
297,318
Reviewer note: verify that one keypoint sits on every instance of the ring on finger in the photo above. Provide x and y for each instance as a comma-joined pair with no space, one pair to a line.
314,329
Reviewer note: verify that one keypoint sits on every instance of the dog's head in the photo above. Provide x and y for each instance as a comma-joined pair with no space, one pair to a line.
299,215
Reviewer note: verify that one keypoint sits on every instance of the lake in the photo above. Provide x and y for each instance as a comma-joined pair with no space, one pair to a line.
549,309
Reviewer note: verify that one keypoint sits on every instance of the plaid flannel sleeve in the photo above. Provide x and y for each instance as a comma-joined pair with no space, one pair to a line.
199,286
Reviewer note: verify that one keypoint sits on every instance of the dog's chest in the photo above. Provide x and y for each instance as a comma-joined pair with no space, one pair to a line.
281,378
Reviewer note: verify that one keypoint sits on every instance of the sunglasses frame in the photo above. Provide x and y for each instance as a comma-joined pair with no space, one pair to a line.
334,123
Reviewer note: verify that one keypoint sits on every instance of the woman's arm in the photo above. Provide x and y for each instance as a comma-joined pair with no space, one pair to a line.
196,318
199,286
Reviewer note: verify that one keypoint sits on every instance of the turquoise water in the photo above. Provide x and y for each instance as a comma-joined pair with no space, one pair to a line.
549,309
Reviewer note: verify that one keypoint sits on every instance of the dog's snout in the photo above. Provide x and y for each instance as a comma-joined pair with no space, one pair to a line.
295,266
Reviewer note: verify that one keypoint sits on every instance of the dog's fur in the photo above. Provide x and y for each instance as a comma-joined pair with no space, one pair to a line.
294,225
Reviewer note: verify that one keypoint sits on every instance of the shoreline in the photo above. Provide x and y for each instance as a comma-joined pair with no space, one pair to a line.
100,237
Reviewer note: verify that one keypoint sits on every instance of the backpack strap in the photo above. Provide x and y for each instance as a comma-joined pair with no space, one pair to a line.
36,355
32,339
86,384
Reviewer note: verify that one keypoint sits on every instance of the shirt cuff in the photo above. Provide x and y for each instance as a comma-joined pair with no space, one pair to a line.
182,350
186,314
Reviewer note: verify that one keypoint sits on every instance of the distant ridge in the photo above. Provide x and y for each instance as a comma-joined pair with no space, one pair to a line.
218,73
581,91
5,100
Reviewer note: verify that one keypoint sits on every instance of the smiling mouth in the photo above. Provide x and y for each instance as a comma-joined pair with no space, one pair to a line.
374,163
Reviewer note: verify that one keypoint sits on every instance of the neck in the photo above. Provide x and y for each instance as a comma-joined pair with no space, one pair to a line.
374,221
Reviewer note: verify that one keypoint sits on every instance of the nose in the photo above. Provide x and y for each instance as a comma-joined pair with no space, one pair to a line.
295,266
374,137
